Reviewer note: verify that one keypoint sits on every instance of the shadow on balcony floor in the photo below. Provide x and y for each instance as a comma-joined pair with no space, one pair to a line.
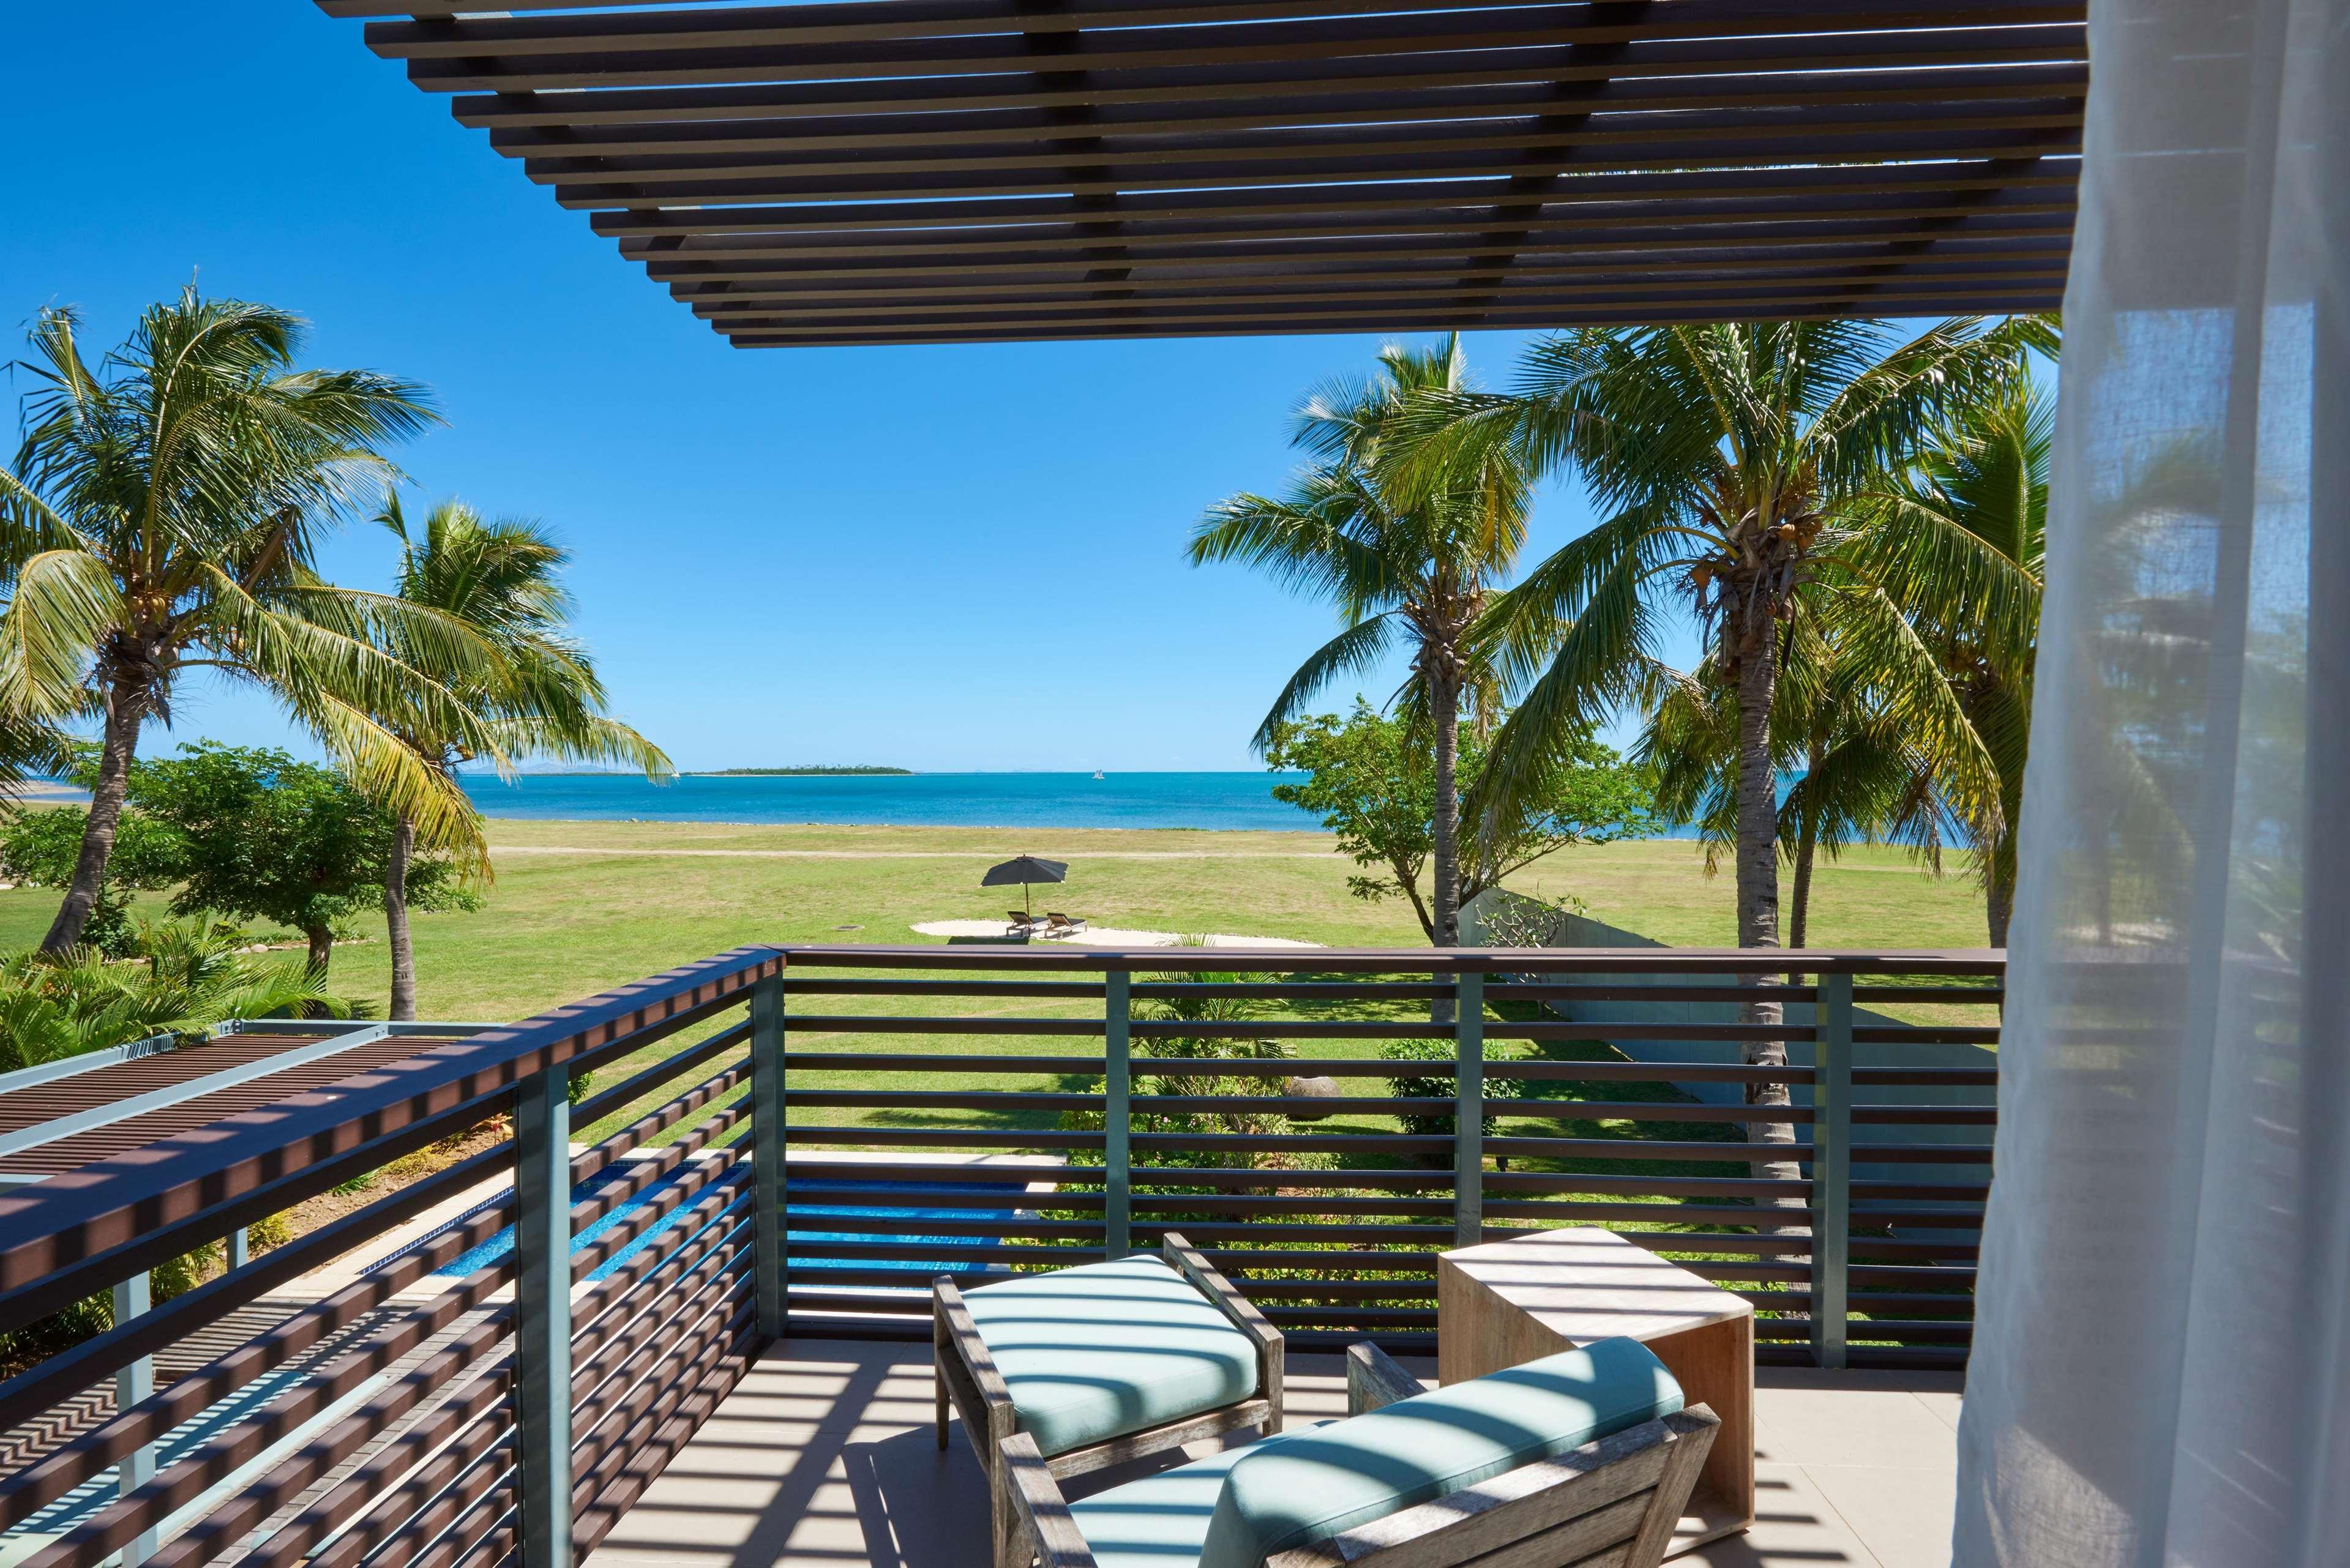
823,1458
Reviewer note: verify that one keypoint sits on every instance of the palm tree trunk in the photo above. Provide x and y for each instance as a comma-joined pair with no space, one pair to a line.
1444,827
1807,841
395,920
1757,662
1999,902
322,951
1799,897
125,706
1444,700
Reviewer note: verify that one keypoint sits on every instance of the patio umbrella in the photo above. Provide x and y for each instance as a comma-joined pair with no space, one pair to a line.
1025,870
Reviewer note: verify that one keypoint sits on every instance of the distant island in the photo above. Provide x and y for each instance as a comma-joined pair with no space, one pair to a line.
801,773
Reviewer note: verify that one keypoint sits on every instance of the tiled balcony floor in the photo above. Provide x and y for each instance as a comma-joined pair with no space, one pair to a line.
823,1458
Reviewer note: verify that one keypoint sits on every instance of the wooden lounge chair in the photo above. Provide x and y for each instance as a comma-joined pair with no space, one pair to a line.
1579,1461
1097,1364
1062,926
1023,922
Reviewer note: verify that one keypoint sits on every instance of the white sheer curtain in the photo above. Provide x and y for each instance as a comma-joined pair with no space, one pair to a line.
2161,1367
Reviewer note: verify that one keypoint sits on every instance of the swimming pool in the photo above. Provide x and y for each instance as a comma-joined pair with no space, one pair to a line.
910,1214
907,1217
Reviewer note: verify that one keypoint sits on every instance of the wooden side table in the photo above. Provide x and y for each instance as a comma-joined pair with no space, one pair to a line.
1507,1302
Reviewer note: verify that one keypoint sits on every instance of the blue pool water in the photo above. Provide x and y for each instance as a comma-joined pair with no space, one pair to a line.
501,1245
908,1220
910,1217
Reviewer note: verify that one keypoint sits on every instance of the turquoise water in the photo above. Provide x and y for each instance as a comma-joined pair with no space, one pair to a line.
1224,800
907,1218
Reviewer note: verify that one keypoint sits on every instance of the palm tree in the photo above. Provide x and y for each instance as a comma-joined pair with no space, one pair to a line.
1419,564
1858,775
1956,542
162,515
1722,456
524,675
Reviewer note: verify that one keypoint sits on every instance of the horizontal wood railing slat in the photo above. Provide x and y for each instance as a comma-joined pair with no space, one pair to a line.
119,1214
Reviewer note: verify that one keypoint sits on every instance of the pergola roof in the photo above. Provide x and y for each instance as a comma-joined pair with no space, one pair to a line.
959,171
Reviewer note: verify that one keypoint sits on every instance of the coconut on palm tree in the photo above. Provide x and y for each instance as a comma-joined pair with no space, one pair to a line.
162,515
522,676
1415,566
1721,458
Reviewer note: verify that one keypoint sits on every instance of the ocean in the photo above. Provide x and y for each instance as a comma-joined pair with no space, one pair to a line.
1218,800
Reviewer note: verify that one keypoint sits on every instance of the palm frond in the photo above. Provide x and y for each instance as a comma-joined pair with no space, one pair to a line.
1603,659
1320,539
1353,650
587,739
64,603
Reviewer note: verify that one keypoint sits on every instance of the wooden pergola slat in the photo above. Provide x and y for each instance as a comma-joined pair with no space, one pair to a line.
1634,138
2045,89
608,30
964,171
695,266
749,298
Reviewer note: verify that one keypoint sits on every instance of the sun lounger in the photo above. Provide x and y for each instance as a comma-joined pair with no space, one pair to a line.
1022,923
1062,926
1574,1460
1093,1366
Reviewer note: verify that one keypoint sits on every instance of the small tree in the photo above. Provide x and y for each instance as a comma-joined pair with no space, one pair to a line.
263,836
520,670
1372,780
40,848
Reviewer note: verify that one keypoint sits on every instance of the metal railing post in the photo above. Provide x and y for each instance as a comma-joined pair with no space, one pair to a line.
133,1383
770,1235
1831,1168
1117,1113
543,1313
240,1251
1469,1109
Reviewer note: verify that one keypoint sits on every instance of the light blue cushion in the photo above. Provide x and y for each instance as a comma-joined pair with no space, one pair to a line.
1093,1352
1305,1487
1157,1521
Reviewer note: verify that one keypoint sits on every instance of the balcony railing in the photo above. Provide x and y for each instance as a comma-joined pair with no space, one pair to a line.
794,1140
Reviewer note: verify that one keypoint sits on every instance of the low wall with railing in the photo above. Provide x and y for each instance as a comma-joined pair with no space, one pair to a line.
467,1395
798,1139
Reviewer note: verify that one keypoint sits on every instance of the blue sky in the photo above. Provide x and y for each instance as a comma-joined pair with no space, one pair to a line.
939,559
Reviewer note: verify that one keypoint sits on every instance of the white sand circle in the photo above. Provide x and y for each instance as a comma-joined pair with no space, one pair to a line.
1104,936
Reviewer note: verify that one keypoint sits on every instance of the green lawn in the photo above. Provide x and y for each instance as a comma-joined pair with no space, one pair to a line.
581,907
561,926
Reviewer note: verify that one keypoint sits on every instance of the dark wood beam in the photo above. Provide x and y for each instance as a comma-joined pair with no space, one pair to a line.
971,171
730,30
1896,99
1179,62
1621,142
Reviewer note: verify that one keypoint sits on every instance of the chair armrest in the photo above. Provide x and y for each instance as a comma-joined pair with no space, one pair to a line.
957,1329
1039,1513
1271,1355
1373,1379
1243,1312
1625,1492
